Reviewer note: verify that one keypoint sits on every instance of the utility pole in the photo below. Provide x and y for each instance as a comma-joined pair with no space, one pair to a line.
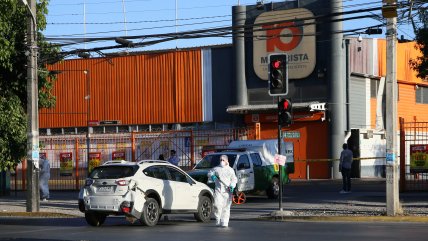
389,11
336,85
33,200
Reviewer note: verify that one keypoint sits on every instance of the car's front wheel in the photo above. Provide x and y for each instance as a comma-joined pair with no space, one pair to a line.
151,212
273,190
205,208
95,219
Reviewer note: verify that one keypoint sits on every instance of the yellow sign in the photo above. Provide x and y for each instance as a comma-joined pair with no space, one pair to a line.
66,164
276,167
418,158
94,160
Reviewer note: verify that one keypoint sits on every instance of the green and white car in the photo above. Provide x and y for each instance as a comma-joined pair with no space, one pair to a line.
254,170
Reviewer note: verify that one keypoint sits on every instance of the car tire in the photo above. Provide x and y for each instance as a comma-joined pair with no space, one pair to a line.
151,212
273,190
205,208
95,219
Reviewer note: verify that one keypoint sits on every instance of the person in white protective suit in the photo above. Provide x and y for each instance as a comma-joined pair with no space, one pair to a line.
45,174
225,182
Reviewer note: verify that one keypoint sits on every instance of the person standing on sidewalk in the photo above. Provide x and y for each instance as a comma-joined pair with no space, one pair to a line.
345,165
45,175
225,182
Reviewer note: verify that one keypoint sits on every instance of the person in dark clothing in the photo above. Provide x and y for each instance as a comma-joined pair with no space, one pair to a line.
44,176
161,157
345,165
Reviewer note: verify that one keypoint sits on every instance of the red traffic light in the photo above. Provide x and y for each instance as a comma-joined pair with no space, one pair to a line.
287,104
276,64
285,112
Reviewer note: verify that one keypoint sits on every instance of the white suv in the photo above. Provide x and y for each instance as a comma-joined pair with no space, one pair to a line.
143,191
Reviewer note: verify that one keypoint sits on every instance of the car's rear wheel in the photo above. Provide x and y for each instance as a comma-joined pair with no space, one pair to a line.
95,219
205,208
151,211
273,190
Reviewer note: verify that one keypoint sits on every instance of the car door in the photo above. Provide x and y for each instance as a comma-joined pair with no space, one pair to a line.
185,194
158,180
245,173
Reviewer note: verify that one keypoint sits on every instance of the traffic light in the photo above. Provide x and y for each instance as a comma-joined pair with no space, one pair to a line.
285,112
278,75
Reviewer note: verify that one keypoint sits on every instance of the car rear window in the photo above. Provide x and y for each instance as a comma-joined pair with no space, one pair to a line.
113,172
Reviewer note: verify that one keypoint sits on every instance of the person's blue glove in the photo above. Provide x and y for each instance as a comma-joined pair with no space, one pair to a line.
231,189
213,177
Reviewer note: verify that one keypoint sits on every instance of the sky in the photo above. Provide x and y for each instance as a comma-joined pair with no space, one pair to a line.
122,18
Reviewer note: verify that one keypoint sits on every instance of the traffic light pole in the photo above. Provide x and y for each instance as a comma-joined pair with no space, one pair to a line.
279,153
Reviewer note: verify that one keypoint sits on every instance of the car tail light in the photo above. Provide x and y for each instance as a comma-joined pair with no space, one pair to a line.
122,182
125,207
89,182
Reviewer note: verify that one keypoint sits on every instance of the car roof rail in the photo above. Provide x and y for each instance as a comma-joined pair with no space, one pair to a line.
231,149
152,161
115,162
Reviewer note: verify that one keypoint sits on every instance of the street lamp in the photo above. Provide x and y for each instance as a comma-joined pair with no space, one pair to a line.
88,113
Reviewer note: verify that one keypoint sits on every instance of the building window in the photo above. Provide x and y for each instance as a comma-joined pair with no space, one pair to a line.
422,95
374,88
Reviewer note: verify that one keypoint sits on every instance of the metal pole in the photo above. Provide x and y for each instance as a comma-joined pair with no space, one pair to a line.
88,113
280,167
392,201
348,76
33,195
336,78
238,21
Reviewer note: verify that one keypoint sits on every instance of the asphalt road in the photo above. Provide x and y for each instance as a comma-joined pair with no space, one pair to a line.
116,228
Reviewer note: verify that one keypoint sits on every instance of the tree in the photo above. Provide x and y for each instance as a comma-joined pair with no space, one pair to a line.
13,61
419,18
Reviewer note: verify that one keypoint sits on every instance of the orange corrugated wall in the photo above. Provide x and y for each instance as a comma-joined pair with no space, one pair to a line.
154,88
406,77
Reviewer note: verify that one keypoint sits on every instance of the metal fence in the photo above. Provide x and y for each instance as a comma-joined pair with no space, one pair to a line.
413,156
71,159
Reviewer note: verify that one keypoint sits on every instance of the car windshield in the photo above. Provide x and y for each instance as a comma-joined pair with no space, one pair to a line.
213,160
113,172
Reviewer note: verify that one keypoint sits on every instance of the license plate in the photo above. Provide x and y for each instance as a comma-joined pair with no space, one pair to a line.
105,189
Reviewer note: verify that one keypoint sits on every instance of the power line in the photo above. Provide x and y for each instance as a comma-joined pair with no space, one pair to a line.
293,14
224,31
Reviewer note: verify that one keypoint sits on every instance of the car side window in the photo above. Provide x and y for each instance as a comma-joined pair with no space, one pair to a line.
243,163
176,175
158,172
257,161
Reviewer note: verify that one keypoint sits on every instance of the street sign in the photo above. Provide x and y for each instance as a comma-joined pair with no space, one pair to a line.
291,134
110,122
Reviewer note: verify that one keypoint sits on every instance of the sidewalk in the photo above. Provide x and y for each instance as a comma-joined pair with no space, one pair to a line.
313,198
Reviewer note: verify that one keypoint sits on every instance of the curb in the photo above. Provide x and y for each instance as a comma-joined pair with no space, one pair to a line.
410,219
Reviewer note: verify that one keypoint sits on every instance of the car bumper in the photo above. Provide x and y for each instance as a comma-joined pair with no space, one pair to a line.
103,203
